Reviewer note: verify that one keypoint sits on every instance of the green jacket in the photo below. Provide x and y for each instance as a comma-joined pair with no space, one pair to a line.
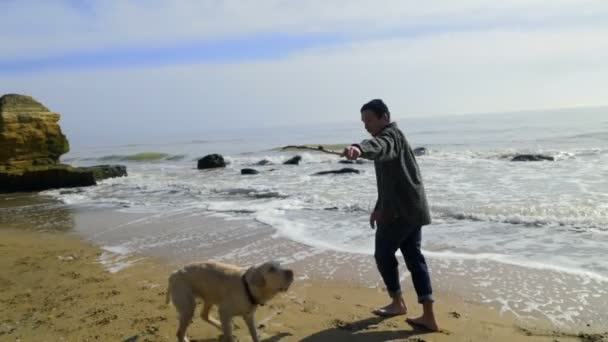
400,189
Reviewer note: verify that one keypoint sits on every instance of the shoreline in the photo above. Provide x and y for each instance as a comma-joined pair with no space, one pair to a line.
54,285
180,236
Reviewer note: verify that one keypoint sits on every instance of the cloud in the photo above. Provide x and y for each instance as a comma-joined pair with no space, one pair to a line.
435,75
442,58
34,28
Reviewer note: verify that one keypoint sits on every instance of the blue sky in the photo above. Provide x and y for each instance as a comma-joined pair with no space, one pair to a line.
176,65
228,50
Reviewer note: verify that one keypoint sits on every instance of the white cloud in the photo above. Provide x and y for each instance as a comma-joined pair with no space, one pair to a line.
41,27
489,68
434,75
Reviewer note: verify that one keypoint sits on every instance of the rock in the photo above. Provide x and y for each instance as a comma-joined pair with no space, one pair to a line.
337,172
31,143
29,133
293,161
211,161
101,172
263,162
249,172
532,157
420,151
358,161
37,178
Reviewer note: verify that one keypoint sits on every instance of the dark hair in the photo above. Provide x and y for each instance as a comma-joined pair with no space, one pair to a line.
378,107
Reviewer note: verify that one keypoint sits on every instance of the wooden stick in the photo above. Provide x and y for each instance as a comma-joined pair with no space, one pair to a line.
318,149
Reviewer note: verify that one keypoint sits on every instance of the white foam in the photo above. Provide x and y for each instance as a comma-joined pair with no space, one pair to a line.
510,260
116,258
119,249
355,240
484,207
583,216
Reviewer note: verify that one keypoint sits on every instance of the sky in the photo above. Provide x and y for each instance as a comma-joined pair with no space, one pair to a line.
128,71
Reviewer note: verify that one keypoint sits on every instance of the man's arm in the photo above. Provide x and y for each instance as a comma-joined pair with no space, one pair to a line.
381,148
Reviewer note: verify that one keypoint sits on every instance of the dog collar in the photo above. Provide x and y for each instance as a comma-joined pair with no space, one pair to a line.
250,295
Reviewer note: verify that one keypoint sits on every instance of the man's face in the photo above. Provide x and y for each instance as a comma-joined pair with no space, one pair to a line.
373,124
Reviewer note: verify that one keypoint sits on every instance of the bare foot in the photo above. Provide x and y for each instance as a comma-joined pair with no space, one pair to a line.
393,309
427,323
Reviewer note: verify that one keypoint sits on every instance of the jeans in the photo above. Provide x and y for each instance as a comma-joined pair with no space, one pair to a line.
398,235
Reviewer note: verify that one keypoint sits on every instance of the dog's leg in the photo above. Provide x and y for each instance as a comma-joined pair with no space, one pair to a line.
184,304
249,320
206,318
226,320
184,321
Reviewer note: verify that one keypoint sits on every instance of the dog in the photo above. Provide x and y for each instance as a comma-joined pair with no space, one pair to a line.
234,290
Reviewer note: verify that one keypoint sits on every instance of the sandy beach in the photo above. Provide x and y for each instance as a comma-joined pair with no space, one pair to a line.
54,288
137,137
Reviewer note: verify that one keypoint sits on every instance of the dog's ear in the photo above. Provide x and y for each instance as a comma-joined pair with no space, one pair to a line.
257,277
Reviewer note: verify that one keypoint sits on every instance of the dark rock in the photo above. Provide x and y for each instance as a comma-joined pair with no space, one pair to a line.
293,161
101,172
211,161
532,157
420,151
249,172
45,177
584,337
263,162
346,161
337,172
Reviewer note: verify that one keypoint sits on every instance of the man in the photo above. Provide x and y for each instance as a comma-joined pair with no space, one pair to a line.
400,212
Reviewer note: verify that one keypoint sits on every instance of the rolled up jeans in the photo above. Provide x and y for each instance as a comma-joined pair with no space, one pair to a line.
399,235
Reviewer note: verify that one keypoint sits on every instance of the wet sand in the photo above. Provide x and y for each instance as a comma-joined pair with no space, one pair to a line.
54,288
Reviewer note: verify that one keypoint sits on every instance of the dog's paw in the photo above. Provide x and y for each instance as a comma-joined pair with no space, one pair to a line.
223,338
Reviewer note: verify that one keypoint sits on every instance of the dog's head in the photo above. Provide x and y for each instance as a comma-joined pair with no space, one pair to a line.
269,279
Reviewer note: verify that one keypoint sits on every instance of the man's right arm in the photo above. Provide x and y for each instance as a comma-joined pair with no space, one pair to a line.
381,148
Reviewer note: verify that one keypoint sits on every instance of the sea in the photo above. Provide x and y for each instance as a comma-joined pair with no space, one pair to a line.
529,238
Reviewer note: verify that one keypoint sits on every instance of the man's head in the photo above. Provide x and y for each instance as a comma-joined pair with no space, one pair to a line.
375,116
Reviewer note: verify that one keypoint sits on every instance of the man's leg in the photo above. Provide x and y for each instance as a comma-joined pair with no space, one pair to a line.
387,244
416,264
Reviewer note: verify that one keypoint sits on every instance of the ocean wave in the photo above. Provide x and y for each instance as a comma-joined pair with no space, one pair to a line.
601,135
508,154
251,193
140,157
583,222
343,239
280,158
511,260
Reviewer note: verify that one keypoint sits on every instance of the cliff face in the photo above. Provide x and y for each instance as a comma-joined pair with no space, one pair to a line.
29,134
31,143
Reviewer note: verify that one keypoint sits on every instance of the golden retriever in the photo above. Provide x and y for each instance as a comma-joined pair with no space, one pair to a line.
236,292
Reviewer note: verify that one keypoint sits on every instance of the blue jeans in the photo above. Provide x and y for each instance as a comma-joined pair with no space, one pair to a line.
397,235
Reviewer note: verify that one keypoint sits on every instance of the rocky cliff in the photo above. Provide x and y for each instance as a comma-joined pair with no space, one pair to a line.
31,143
29,134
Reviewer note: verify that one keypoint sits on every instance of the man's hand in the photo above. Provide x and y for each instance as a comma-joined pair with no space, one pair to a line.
352,152
374,218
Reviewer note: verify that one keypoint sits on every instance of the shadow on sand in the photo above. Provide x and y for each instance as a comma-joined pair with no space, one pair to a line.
354,331
275,338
